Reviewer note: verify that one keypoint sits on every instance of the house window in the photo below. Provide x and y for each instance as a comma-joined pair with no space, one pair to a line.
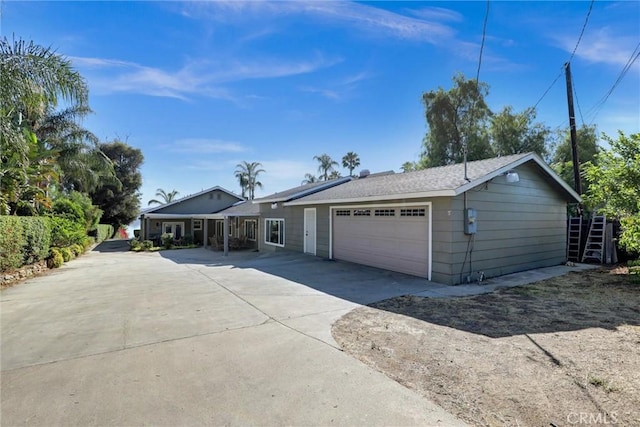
173,228
220,228
412,212
250,227
362,212
274,232
343,212
385,212
197,224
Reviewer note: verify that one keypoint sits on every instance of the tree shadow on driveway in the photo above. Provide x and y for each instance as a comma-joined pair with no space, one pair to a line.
113,245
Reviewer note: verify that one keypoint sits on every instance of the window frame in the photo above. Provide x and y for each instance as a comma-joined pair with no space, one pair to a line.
255,229
197,224
281,232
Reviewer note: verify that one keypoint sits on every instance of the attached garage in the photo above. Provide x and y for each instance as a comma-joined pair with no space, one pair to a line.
396,238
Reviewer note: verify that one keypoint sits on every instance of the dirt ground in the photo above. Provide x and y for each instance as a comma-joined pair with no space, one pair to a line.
564,351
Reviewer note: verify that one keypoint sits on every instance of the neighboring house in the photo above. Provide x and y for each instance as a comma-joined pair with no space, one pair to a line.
502,215
193,215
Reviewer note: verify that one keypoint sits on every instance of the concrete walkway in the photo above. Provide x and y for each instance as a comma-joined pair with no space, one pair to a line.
190,337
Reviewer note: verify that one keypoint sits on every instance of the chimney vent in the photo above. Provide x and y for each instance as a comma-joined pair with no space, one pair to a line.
364,173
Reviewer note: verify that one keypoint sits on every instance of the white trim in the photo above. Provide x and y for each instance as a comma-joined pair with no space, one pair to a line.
266,229
255,229
315,232
315,189
173,223
386,197
429,205
452,192
182,216
195,222
191,196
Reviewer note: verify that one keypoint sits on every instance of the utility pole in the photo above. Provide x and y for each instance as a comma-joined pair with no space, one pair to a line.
574,138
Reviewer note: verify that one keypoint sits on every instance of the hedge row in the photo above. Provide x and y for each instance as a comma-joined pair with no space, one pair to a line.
25,239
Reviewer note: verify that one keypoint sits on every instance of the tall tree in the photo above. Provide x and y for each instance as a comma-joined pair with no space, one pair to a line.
166,197
33,79
588,149
120,201
515,133
247,173
614,186
350,161
456,119
408,167
335,175
309,179
326,165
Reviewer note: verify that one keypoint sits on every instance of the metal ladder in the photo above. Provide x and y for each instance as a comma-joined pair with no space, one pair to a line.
574,234
594,249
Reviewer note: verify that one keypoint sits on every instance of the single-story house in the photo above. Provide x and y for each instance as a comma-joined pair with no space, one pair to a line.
450,224
196,215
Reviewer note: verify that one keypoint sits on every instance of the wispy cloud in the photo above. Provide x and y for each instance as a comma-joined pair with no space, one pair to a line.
203,78
340,89
355,15
601,46
205,146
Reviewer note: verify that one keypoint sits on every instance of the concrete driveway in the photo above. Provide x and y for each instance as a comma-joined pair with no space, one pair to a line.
192,338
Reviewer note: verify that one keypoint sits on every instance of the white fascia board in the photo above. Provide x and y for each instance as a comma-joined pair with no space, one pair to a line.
191,196
386,197
510,166
181,216
329,184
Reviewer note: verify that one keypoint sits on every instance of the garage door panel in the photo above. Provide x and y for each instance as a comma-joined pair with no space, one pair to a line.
390,242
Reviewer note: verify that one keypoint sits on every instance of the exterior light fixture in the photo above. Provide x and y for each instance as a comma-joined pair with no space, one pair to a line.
512,176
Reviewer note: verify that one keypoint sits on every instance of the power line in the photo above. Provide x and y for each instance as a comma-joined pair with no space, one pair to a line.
584,26
633,58
484,34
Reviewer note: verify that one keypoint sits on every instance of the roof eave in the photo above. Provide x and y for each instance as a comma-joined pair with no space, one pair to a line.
529,157
386,197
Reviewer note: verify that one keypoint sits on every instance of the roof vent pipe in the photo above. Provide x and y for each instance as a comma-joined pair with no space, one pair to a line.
364,173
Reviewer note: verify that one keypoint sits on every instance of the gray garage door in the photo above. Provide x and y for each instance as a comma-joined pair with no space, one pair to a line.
393,238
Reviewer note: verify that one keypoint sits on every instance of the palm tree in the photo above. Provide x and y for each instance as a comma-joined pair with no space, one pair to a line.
350,161
33,79
326,165
408,167
166,197
247,174
335,175
309,179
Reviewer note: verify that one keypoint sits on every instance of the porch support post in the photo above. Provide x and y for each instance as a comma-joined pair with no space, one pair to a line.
226,236
205,233
147,231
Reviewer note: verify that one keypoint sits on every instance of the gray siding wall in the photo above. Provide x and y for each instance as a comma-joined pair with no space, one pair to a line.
210,202
521,226
294,228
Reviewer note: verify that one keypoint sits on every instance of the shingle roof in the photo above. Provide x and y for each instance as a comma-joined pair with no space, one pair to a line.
190,196
433,182
300,191
242,208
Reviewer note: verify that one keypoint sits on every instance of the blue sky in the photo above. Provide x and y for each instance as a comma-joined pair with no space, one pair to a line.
201,86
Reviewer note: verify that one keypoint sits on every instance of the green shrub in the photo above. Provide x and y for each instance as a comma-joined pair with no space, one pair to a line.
135,245
12,242
65,208
65,232
167,240
37,238
147,245
104,232
77,249
66,254
55,259
187,240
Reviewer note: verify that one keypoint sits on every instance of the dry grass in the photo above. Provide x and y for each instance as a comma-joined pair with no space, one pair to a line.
541,354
